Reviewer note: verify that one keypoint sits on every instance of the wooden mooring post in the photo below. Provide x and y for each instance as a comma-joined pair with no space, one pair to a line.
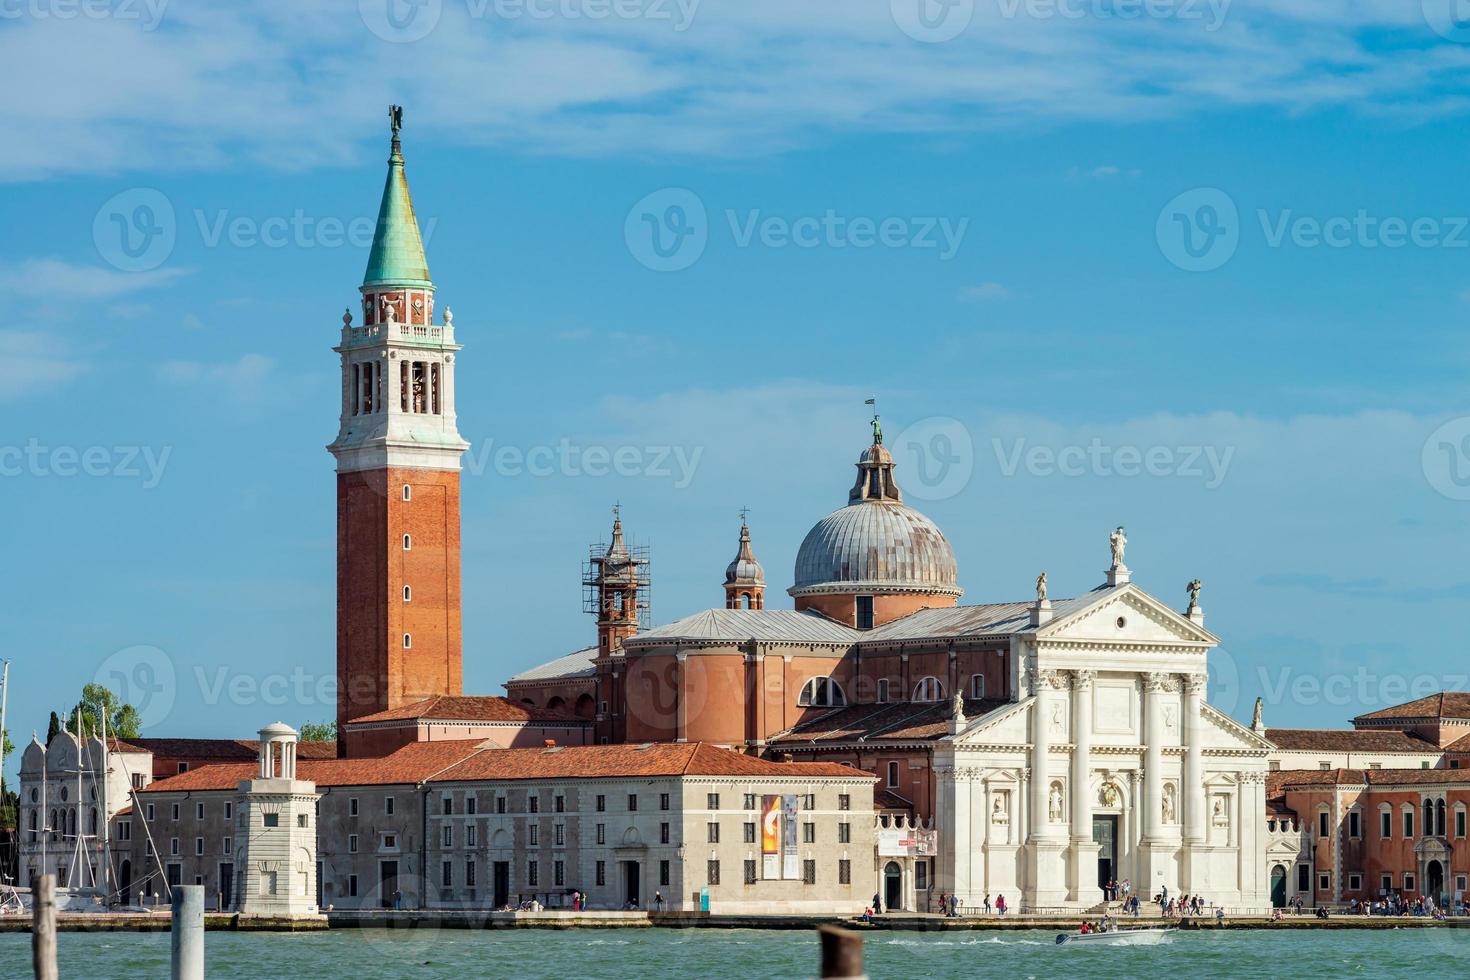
43,928
842,952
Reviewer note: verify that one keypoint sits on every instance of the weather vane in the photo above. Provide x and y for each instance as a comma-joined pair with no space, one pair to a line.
744,512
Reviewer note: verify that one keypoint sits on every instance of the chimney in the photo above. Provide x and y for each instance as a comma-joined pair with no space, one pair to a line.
551,743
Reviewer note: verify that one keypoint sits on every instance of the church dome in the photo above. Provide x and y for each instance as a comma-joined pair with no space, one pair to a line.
875,543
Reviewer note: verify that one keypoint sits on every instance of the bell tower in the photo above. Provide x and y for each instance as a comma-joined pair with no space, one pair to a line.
745,580
398,459
615,589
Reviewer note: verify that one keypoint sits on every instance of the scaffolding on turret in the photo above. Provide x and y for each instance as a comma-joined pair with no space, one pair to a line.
615,580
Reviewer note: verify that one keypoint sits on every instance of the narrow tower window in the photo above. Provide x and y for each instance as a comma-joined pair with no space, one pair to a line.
403,386
434,386
408,593
407,542
355,384
407,492
407,641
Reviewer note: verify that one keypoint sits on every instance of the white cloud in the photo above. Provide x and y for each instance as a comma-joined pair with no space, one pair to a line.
985,292
281,84
34,362
246,379
56,281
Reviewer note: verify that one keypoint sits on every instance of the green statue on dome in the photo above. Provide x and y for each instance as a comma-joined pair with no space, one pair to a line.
877,431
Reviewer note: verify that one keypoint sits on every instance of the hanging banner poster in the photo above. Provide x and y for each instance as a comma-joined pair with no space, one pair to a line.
770,837
789,864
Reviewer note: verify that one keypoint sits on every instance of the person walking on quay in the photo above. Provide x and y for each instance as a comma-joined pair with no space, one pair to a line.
954,906
877,904
658,901
987,903
943,904
1000,905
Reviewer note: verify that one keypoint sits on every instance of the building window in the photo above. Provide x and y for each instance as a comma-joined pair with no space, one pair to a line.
808,833
559,834
408,542
1459,883
748,834
663,802
844,801
199,847
352,806
1454,763
749,801
198,811
1460,822
633,802
601,803
446,805
844,833
1324,766
601,873
750,871
407,641
448,836
1324,882
1385,825
892,774
533,804
470,835
407,492
663,833
559,873
271,819
821,692
183,767
1408,823
175,809
173,847
352,886
390,842
499,804
844,871
1408,882
408,593
928,689
447,874
713,831
533,874
559,803
351,843
533,835
388,805
808,872
977,686
1355,883
712,800
809,801
882,690
663,873
1322,824
602,833
864,610
1355,829
1303,877
921,876
150,813
1386,883
712,872
301,820
229,810
471,804
469,873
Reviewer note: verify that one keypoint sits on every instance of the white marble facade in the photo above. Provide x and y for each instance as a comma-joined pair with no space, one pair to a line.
1110,739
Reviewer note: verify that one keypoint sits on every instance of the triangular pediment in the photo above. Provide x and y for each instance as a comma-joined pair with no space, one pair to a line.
1006,725
1223,732
1126,615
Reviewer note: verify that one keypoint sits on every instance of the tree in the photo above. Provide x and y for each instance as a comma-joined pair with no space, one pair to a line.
317,731
52,727
123,720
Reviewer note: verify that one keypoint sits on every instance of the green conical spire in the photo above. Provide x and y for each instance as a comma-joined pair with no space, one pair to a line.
397,258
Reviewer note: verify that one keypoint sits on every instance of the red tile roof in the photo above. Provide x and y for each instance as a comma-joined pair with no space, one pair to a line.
886,799
1446,704
223,749
652,759
473,759
1347,740
1278,782
446,708
410,764
896,721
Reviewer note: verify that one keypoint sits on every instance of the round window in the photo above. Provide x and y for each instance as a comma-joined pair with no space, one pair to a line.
63,794
1122,621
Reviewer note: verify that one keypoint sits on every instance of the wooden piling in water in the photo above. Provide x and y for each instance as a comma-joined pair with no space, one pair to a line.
842,952
43,928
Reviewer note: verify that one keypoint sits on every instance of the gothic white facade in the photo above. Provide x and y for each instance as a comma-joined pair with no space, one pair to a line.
1109,766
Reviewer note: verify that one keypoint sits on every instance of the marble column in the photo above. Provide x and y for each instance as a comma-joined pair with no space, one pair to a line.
1081,754
1040,750
1193,797
1153,756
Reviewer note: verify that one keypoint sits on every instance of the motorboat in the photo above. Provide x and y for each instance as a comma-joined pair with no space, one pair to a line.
1148,936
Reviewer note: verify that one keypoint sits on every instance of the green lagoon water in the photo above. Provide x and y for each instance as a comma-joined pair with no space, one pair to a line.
369,954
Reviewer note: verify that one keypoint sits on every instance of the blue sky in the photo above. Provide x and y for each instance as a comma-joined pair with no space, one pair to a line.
1202,272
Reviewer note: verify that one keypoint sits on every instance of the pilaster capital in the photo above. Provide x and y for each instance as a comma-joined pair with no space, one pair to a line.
1055,680
1194,684
1082,679
1157,682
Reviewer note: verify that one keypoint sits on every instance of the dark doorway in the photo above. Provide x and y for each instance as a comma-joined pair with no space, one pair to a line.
502,884
632,876
1278,887
1105,836
226,886
892,887
125,883
387,882
1434,881
319,884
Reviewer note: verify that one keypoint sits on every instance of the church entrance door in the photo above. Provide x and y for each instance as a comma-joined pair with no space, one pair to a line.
1105,836
1278,887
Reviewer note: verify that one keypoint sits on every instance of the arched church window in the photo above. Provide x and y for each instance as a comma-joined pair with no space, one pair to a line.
407,492
407,542
408,593
977,686
407,641
1439,817
929,689
822,692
